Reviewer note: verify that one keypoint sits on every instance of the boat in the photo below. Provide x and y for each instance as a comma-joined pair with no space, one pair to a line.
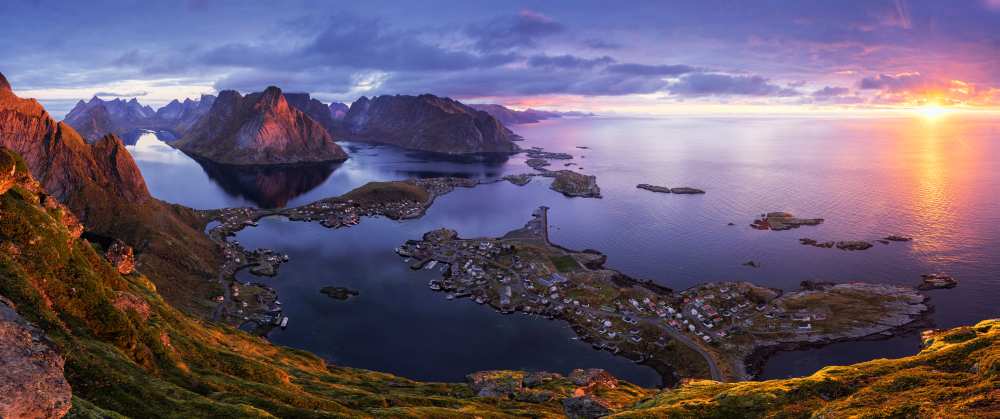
284,322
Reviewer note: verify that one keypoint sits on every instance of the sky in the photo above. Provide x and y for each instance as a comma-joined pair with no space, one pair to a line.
628,57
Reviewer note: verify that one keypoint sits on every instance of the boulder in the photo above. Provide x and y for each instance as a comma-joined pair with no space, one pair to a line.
593,376
535,379
32,384
121,256
495,383
585,407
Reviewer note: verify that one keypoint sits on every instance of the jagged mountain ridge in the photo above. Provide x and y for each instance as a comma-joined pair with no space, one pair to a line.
259,129
128,119
427,123
528,116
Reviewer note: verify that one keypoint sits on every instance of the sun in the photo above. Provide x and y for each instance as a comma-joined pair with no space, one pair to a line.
932,110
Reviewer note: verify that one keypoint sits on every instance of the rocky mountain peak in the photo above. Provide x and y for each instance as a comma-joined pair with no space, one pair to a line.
260,129
428,123
4,85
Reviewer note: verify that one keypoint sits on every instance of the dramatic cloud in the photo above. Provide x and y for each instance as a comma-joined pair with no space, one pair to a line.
568,61
521,30
650,70
124,94
830,92
886,52
715,84
897,82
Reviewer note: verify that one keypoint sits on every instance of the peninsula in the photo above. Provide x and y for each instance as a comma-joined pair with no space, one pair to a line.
709,331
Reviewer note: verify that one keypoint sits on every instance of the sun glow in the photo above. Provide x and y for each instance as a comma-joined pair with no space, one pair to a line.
932,111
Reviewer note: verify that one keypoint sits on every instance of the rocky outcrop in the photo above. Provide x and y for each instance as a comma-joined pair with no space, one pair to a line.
338,110
259,129
339,293
495,383
121,257
32,384
8,172
937,281
573,184
585,407
129,119
779,221
427,123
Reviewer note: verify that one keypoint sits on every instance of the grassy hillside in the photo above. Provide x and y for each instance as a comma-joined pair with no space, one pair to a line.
956,375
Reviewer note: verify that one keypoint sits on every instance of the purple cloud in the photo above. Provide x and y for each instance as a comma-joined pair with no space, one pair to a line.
521,30
715,84
567,61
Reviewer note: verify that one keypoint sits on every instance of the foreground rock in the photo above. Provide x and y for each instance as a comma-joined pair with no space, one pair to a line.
937,281
32,384
778,221
259,129
121,257
428,123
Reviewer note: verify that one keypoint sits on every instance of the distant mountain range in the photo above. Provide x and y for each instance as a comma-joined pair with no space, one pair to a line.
263,128
528,116
238,132
128,119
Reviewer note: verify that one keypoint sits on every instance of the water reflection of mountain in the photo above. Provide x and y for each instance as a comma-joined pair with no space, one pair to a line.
268,186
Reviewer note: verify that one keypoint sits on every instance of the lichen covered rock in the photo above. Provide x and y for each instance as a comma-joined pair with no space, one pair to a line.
32,384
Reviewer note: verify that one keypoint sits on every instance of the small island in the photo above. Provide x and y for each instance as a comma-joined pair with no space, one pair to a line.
937,281
663,189
339,293
573,184
718,330
779,221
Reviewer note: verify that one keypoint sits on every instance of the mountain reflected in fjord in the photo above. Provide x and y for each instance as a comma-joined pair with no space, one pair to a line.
268,186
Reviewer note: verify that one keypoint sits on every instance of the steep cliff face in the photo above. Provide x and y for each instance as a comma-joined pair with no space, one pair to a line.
259,129
103,187
67,167
338,110
427,123
312,107
127,119
181,116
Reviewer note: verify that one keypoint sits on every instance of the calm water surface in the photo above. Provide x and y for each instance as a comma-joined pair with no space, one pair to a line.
934,180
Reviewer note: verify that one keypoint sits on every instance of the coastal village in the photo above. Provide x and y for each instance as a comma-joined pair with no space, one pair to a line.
707,331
